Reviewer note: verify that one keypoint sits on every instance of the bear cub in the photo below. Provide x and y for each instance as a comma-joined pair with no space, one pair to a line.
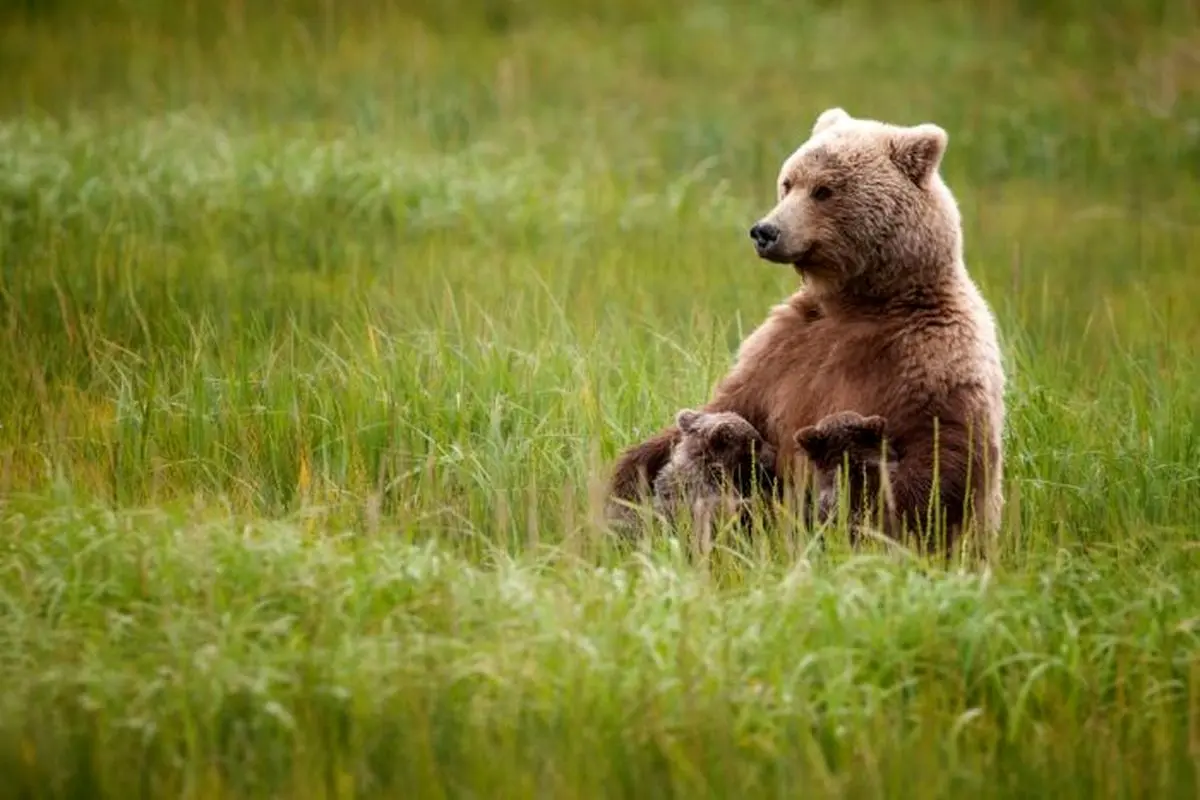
719,462
849,451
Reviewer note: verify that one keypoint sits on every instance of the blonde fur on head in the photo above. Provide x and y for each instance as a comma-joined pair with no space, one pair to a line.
829,118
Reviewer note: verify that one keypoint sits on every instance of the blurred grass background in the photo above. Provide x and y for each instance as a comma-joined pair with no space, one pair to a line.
323,320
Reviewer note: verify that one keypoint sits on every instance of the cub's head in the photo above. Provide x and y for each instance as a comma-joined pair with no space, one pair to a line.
862,208
860,438
719,437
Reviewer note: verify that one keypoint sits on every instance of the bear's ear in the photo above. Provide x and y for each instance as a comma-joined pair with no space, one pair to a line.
686,420
918,150
828,118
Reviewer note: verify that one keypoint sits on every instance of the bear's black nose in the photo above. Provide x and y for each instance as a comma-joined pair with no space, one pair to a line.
764,235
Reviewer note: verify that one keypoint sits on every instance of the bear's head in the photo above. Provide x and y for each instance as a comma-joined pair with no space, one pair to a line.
862,208
860,439
721,439
857,442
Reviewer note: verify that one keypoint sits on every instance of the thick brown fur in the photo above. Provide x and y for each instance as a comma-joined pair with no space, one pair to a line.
849,451
888,323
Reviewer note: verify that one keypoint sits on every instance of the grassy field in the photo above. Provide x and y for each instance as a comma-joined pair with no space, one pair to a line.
323,321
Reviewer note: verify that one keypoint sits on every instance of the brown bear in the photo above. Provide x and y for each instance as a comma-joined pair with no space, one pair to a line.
718,464
888,322
849,451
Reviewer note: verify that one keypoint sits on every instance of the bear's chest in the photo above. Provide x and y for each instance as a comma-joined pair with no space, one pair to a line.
796,370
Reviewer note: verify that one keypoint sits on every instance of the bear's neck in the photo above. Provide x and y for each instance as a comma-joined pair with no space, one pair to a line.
883,290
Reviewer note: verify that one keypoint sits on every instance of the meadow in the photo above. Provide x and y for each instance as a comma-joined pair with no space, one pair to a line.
322,323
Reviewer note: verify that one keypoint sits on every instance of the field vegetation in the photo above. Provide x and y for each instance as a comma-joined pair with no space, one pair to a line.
323,321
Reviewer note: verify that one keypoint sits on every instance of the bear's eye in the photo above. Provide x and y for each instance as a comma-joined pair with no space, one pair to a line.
822,193
787,186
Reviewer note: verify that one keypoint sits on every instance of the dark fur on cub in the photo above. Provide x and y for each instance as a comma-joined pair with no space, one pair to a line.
719,461
848,450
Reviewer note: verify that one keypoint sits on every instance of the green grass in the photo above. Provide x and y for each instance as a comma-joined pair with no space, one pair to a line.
323,322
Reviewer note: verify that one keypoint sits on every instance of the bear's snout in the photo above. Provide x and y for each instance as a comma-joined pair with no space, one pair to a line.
765,236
